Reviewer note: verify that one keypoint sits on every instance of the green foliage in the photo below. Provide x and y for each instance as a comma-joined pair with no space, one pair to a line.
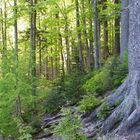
69,126
88,102
54,101
24,130
10,90
108,77
104,111
56,37
66,91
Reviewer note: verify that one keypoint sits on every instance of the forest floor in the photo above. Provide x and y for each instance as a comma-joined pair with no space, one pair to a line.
91,127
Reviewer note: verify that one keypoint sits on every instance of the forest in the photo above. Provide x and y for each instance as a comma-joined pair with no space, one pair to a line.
69,70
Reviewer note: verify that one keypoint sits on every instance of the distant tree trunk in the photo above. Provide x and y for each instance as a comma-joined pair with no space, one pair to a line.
40,46
46,65
18,99
79,36
96,35
52,64
91,42
67,40
33,45
5,26
75,56
62,56
40,55
124,28
60,42
88,59
16,39
105,24
2,30
117,31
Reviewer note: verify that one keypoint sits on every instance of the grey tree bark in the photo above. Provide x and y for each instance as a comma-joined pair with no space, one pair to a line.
91,42
124,119
105,24
33,45
88,58
124,29
18,99
117,31
79,36
96,35
67,40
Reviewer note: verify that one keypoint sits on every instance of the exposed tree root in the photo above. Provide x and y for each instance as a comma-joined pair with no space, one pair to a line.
119,95
127,114
133,119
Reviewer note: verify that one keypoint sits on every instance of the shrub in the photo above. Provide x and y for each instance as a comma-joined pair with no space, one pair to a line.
67,90
24,130
108,77
104,111
88,102
69,127
54,101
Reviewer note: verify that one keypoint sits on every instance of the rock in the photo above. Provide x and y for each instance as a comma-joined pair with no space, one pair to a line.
51,138
1,137
130,137
51,120
9,138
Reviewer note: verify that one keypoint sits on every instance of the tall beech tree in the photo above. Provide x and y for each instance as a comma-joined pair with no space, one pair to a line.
127,114
105,25
117,29
96,36
124,28
33,45
81,63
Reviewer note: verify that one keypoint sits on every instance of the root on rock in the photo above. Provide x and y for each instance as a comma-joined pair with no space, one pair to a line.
127,114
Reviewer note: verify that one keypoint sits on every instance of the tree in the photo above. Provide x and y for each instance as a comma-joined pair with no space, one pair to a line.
67,38
117,29
96,35
124,29
18,100
90,7
85,35
127,114
79,36
33,45
105,24
15,38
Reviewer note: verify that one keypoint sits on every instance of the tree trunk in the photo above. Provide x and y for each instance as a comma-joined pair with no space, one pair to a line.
117,31
124,29
96,35
79,36
88,58
67,40
91,42
105,24
18,100
125,117
16,40
33,45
